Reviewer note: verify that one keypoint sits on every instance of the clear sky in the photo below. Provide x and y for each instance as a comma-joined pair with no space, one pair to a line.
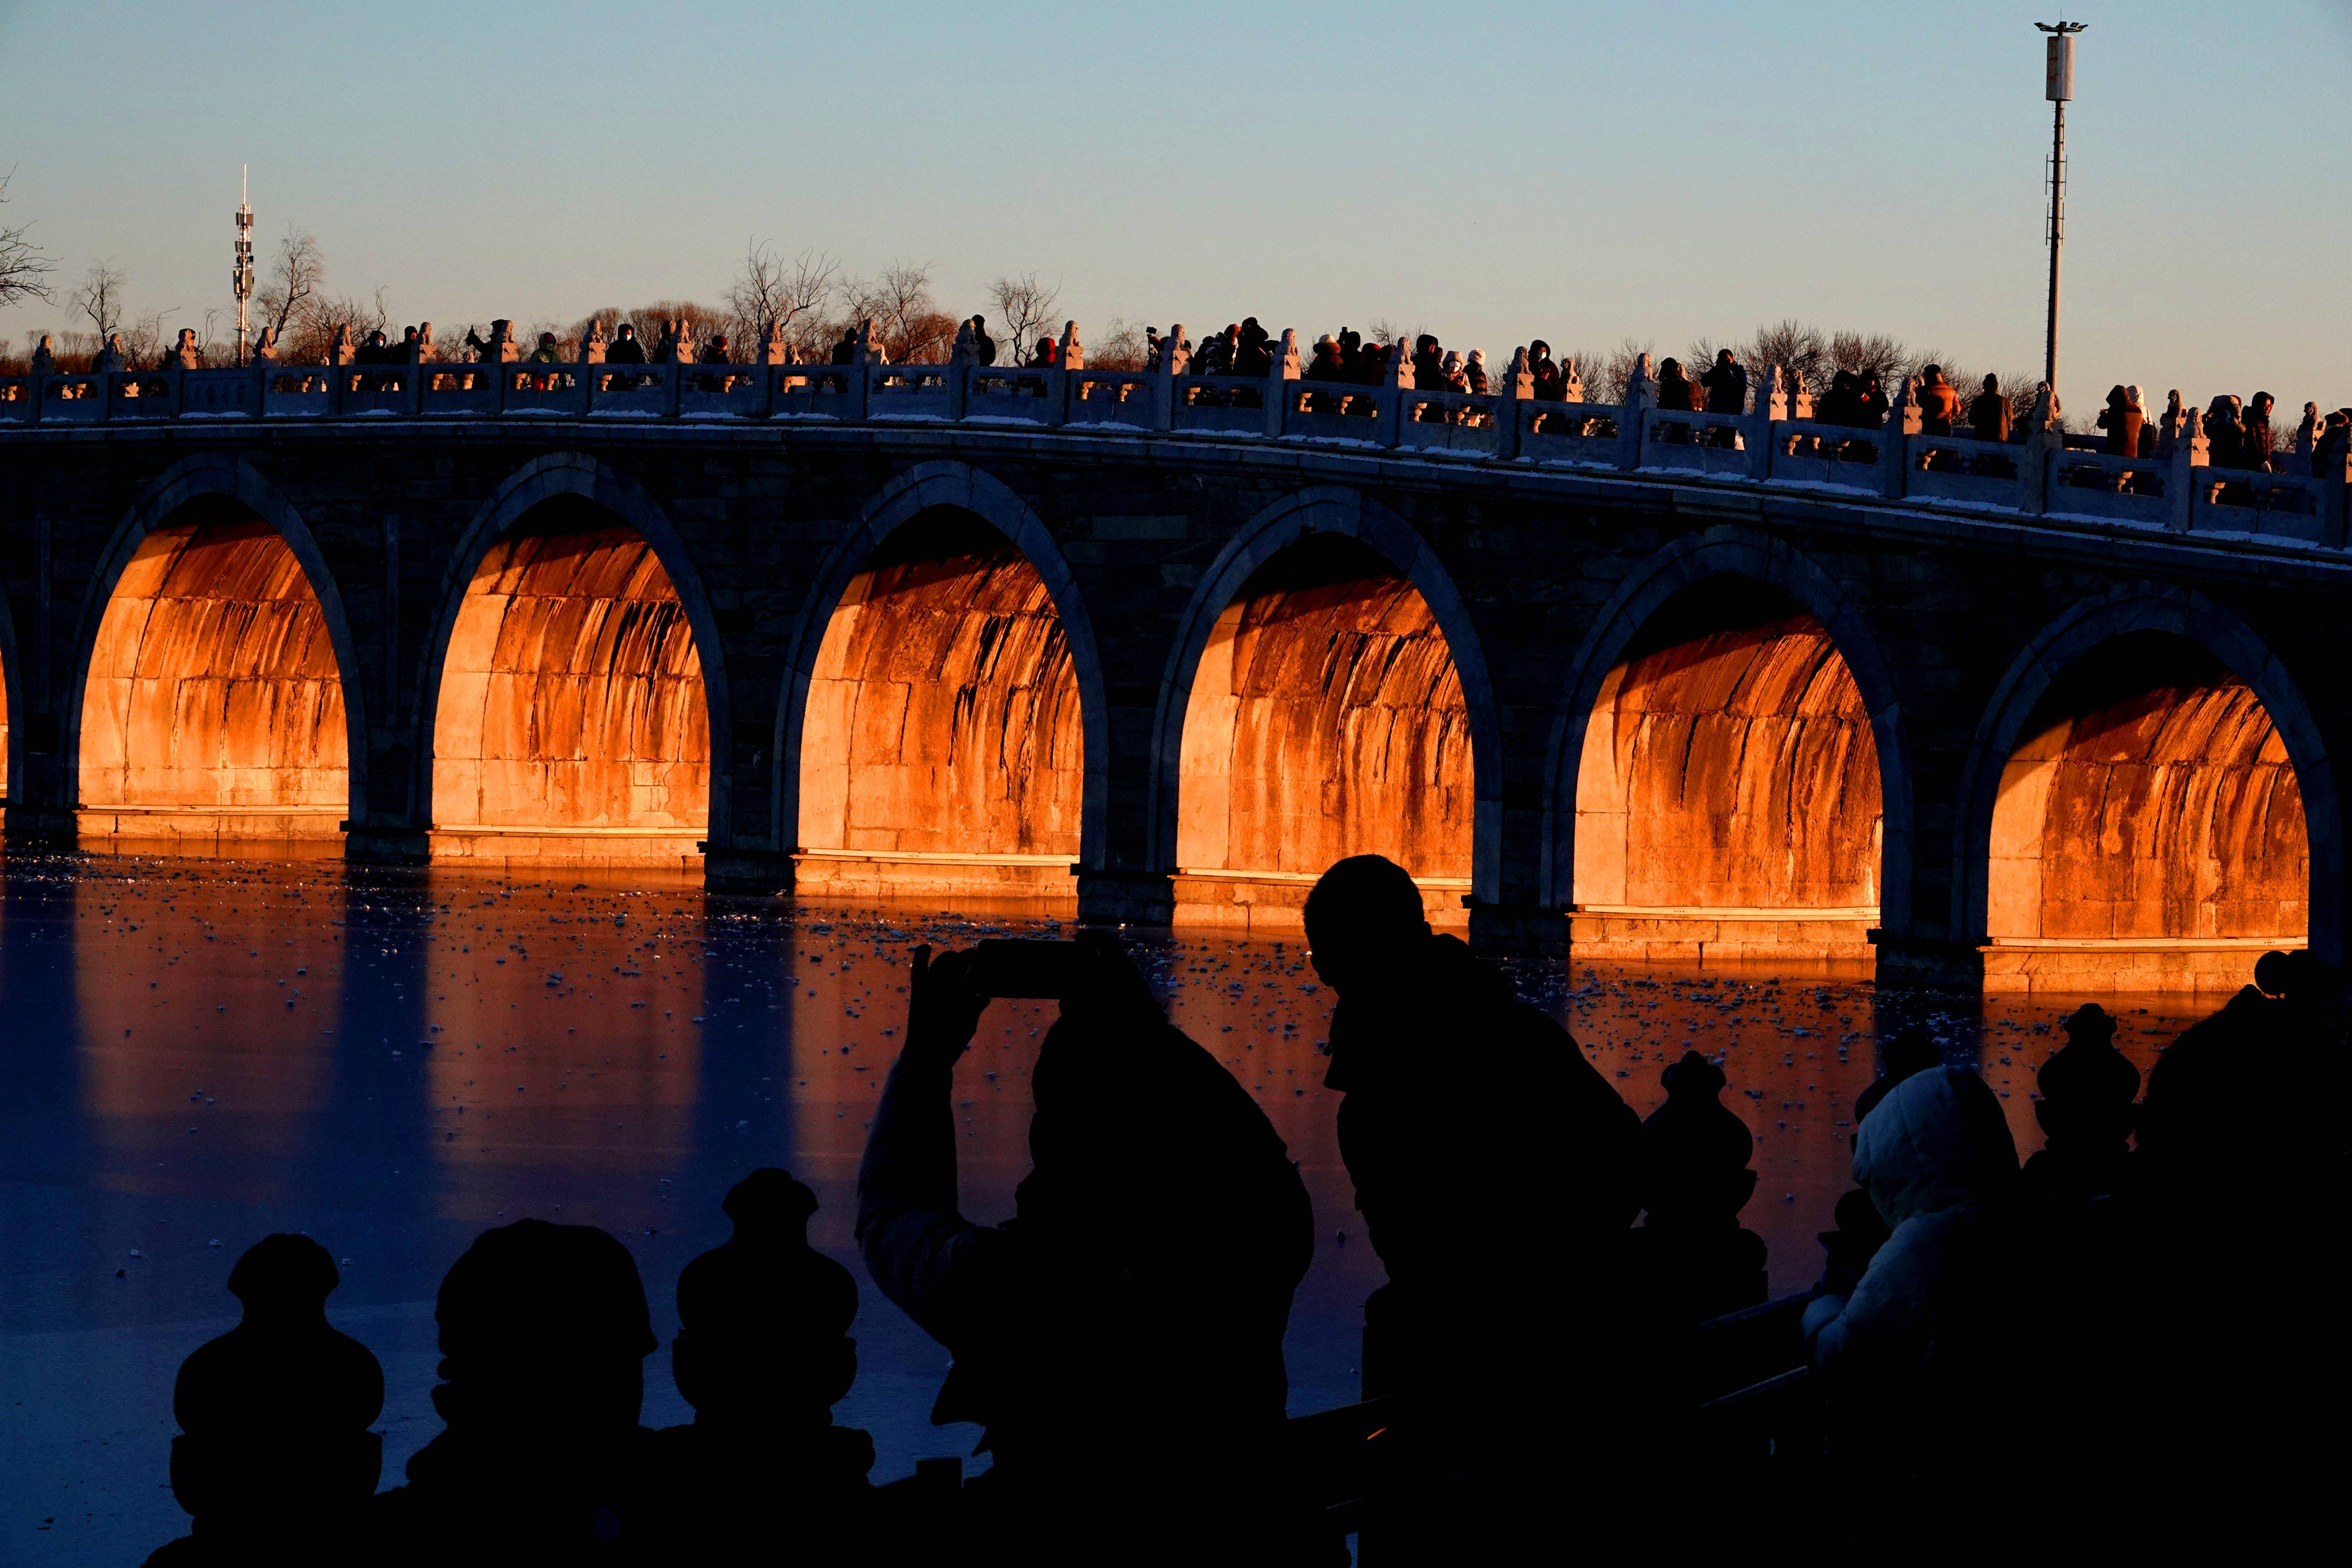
1577,172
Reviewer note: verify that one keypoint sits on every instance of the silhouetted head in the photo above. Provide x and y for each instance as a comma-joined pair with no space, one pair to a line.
719,342
1363,912
979,324
1694,1149
627,331
542,1326
284,1276
2115,398
1670,369
1538,350
1425,343
1725,356
764,1319
1992,383
2262,403
2088,1087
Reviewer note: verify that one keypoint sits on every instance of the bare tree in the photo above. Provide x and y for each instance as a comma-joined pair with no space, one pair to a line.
99,295
1025,304
294,281
24,270
1798,347
1869,353
316,323
1121,346
770,292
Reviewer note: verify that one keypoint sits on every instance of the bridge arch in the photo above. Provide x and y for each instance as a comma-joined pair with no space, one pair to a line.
2152,697
560,714
213,580
1325,563
1681,634
949,597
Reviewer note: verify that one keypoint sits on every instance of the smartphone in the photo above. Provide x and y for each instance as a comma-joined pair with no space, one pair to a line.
1024,966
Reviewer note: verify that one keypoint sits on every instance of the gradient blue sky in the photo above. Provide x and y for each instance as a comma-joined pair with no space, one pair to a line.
1574,171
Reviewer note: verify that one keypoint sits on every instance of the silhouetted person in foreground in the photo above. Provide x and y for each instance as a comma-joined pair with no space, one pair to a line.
762,1353
1120,1337
1674,389
1919,1363
1693,1259
1497,1173
2086,1113
275,1460
544,1334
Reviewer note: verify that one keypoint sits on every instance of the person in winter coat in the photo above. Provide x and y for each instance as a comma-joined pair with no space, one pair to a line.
1919,1363
1548,382
1474,371
1989,411
1428,364
1871,407
2225,434
1253,353
625,347
1674,389
2121,419
1042,359
1161,1230
1494,1214
1727,384
983,347
2255,450
1939,402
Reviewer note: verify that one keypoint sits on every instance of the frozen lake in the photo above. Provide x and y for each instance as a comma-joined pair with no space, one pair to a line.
198,1053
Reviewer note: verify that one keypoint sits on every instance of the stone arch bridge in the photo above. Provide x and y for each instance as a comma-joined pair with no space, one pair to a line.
1734,689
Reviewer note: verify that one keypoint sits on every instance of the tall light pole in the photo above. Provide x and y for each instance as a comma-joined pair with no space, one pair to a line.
240,278
2058,86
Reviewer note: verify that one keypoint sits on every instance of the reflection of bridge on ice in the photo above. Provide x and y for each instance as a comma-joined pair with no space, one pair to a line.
1742,685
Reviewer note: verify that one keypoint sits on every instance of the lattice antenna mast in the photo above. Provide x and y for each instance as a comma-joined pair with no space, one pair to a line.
240,276
2058,86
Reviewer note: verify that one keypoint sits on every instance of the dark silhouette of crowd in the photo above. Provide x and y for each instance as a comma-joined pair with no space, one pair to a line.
2139,1298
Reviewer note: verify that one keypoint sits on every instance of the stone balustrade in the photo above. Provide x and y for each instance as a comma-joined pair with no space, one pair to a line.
2178,492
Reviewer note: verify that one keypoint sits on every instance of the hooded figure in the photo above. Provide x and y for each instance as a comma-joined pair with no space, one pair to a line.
1474,371
2121,419
1727,384
625,348
1916,1356
1161,1230
1326,365
1548,382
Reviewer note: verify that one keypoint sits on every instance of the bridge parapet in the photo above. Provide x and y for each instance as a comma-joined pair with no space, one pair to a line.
2177,492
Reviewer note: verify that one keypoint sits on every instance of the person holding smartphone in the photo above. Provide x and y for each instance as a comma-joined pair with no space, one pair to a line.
1122,1333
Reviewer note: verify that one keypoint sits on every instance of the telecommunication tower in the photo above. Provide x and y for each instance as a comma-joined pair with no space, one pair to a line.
2058,86
240,276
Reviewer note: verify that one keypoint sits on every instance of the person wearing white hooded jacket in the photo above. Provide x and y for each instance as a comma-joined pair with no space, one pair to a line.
1913,1358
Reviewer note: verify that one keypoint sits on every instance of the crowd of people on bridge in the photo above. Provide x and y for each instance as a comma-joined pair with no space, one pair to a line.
2138,1298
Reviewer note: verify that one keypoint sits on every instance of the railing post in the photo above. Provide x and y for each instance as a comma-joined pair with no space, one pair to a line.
1895,442
339,355
182,358
265,360
2043,440
104,369
1512,395
45,366
1173,361
1641,396
502,354
1392,405
2190,452
1771,406
861,377
1070,355
1281,376
959,361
